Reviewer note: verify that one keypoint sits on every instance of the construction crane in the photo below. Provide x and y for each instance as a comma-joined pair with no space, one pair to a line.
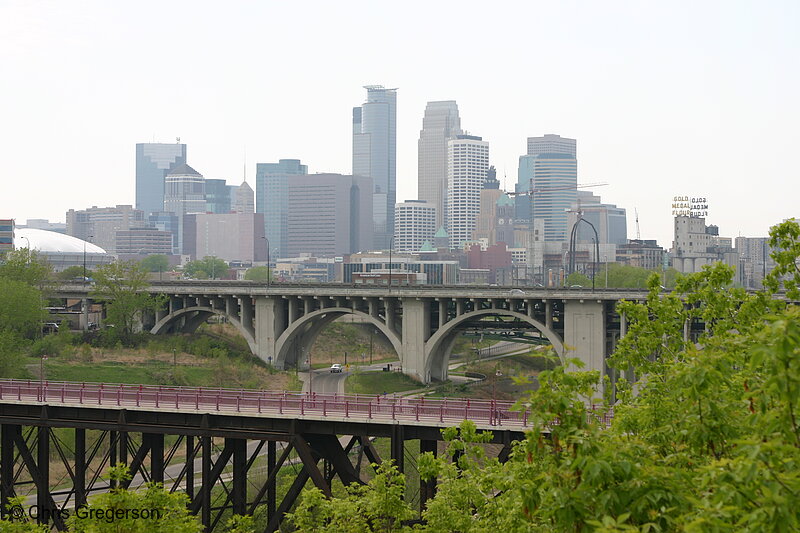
638,237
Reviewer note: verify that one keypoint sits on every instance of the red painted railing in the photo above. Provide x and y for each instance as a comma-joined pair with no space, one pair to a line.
356,407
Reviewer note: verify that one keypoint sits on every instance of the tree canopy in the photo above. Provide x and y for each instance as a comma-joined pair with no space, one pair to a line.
206,268
122,286
155,263
259,273
707,438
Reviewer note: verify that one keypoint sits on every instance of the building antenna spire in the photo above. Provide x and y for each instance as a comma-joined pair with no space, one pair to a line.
244,165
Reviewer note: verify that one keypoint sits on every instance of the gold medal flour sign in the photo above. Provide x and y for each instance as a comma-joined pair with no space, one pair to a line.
689,206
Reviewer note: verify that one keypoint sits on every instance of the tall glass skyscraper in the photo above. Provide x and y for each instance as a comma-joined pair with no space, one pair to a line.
440,124
375,156
272,199
153,162
551,168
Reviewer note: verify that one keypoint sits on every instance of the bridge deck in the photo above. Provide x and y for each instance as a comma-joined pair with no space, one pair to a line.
444,412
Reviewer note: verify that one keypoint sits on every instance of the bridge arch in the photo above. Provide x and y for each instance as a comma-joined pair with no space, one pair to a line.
440,344
197,315
313,322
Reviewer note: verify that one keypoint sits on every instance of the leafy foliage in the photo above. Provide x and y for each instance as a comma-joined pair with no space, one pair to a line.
122,286
155,263
26,266
206,268
259,273
705,434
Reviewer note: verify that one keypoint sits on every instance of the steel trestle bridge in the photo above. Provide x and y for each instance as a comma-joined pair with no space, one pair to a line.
195,439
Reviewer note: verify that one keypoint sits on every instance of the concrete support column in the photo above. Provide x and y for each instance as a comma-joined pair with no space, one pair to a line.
269,325
686,330
585,334
548,314
294,310
232,307
308,305
460,306
373,307
175,304
623,325
391,314
415,330
248,312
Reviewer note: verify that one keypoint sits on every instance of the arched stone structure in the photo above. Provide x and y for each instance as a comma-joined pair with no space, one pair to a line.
440,344
188,319
300,332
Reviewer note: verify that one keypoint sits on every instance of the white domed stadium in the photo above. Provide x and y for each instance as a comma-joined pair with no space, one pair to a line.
61,251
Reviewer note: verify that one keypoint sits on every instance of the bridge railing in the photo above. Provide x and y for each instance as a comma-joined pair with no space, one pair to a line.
359,407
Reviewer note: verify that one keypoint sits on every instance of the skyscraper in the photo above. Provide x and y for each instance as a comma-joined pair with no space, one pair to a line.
329,214
153,162
272,199
375,156
414,224
467,168
552,144
184,193
551,168
439,124
244,200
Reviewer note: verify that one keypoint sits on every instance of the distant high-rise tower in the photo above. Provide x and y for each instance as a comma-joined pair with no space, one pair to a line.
184,193
244,200
414,224
272,199
467,168
440,124
375,156
551,168
552,144
153,162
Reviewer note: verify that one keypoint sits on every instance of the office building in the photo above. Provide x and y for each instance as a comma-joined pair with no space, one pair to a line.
99,225
244,200
272,199
235,237
609,220
487,208
168,222
439,124
375,156
218,196
153,162
329,215
143,241
467,168
184,193
414,224
550,168
6,235
552,144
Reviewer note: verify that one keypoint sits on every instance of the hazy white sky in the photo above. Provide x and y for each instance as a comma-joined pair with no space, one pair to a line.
682,97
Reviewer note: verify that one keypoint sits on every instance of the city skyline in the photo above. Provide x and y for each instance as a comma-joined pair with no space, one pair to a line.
666,104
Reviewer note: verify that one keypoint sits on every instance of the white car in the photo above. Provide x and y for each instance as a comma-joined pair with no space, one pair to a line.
336,367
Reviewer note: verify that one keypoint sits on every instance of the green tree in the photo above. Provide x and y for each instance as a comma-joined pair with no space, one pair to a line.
21,311
155,263
376,507
72,272
25,265
207,268
166,512
122,286
259,273
576,278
